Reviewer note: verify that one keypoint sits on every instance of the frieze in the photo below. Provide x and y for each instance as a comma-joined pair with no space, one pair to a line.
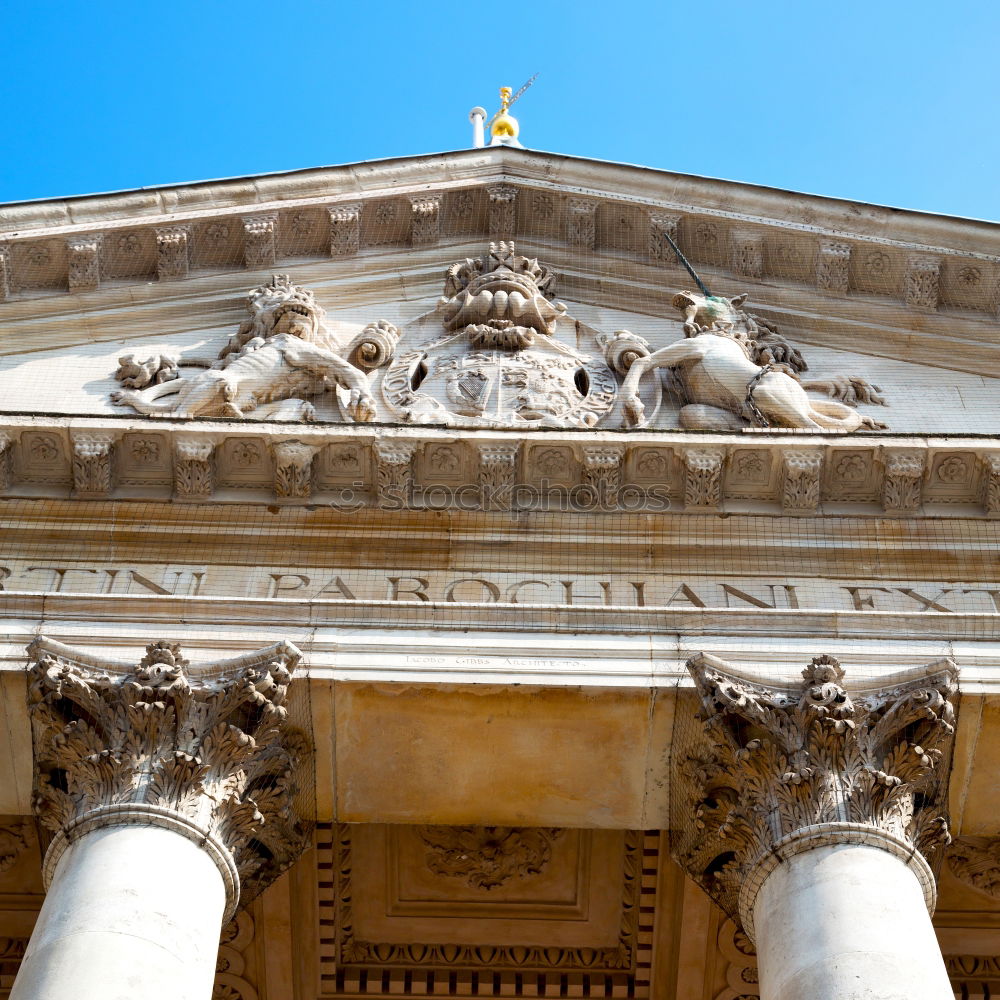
413,585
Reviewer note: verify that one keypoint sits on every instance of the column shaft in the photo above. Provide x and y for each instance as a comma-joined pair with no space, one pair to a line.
132,911
846,922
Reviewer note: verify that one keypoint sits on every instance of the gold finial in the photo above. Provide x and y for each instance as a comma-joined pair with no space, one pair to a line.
504,124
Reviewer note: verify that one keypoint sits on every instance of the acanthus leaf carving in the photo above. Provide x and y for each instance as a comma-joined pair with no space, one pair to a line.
92,464
497,469
748,253
976,861
194,472
5,276
503,205
581,223
425,216
394,473
991,482
833,266
802,470
293,468
173,252
207,753
15,838
259,240
703,479
602,472
780,767
84,258
345,229
921,281
6,460
662,225
902,487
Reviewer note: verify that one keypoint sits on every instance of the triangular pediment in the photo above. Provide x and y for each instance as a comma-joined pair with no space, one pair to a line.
855,319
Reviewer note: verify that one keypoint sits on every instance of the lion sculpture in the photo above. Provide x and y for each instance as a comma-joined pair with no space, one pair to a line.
732,369
282,354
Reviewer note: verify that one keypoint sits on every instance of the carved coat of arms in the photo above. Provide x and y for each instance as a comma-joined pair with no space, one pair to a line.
498,363
498,352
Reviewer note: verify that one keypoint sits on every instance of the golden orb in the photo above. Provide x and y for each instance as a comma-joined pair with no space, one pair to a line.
505,126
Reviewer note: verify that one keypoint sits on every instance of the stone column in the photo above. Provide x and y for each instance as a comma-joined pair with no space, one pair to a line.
169,793
808,813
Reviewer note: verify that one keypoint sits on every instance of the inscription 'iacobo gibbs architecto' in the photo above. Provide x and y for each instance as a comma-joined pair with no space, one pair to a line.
568,589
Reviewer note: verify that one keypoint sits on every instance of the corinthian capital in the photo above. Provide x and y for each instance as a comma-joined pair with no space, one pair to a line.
207,753
777,770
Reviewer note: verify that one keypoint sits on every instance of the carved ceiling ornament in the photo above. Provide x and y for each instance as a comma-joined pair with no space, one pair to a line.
211,757
485,857
281,355
781,769
976,861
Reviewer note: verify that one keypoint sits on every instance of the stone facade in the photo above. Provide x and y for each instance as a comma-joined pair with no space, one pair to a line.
472,609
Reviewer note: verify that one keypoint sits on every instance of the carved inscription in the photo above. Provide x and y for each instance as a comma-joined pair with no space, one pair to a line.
414,584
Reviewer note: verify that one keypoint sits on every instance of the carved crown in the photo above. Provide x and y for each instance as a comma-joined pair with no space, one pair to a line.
502,260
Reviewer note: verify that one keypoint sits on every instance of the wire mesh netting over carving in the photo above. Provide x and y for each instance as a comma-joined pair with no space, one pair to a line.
271,567
220,752
835,311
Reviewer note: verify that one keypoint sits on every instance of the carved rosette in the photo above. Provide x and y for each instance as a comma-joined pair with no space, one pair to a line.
211,757
780,770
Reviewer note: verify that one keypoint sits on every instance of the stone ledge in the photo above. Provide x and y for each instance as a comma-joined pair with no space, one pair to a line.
793,473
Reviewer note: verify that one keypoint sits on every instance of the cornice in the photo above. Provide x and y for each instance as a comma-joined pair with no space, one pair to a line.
353,466
172,234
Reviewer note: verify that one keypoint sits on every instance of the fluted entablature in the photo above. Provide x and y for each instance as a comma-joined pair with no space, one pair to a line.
208,753
781,769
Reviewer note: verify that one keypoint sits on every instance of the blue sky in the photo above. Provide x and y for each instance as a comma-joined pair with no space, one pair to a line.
890,102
